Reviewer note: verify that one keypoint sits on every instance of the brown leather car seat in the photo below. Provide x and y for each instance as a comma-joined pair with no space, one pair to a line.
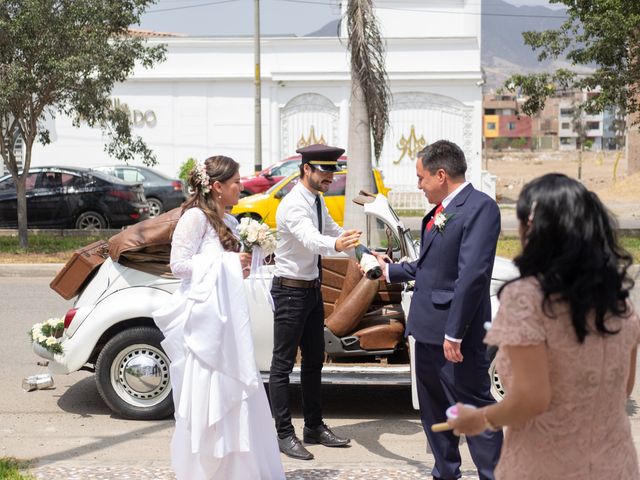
380,328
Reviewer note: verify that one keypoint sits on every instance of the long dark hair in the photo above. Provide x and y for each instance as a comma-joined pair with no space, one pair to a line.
219,168
572,249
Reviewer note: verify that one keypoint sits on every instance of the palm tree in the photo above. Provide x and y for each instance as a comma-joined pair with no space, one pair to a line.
370,98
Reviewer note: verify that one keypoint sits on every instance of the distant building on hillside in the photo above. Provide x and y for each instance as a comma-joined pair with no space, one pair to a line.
556,127
504,127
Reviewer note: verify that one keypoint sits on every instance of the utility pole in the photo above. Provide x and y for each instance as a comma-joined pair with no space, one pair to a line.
258,95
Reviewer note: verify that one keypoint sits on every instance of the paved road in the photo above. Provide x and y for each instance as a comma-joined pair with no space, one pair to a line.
71,434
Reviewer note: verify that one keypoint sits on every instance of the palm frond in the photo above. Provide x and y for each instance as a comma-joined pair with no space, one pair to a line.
368,66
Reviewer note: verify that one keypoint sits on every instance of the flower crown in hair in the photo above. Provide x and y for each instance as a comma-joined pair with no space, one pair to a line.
202,180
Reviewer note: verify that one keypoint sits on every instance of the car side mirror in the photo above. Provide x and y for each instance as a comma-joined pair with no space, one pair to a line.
279,194
268,176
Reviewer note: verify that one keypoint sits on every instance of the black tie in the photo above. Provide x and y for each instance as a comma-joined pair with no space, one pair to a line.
319,210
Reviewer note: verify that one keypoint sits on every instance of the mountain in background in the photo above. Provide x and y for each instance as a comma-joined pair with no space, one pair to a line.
503,50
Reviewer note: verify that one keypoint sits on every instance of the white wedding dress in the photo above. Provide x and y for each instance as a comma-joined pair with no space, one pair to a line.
224,429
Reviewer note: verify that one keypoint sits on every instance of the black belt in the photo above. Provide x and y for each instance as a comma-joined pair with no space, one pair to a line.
293,283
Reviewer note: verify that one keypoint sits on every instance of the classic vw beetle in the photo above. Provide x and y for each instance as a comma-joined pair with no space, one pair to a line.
110,329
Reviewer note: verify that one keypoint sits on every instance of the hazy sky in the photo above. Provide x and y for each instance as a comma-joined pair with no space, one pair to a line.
235,17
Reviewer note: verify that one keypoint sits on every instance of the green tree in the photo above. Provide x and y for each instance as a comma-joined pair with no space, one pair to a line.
185,169
369,109
64,57
604,33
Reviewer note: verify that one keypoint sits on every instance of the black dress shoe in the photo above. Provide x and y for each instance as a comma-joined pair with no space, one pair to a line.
292,447
322,435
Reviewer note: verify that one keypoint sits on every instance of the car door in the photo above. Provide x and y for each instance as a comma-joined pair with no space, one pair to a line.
45,202
334,198
8,204
386,230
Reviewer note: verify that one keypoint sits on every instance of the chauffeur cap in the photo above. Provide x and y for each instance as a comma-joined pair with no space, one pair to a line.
322,157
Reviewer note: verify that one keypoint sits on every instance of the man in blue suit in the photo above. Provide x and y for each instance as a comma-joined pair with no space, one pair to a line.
451,303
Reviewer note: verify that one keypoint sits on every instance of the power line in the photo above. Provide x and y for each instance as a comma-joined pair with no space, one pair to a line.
484,14
185,7
319,2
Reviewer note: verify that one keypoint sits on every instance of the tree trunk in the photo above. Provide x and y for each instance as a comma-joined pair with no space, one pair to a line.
580,163
359,160
21,197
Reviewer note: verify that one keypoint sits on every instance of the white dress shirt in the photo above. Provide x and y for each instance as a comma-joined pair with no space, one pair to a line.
300,240
447,200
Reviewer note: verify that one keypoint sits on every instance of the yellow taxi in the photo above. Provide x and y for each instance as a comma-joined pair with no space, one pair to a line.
263,206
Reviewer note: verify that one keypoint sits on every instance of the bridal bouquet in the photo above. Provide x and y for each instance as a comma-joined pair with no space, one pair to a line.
47,334
257,234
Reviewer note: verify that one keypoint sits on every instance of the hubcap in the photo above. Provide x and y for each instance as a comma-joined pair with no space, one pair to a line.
140,375
154,208
90,221
497,389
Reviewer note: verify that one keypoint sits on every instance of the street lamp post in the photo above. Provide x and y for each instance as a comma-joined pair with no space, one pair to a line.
258,110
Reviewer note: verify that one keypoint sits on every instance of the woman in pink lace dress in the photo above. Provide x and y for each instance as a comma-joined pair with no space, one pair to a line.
567,337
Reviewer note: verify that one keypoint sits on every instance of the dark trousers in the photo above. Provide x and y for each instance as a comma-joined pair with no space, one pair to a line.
441,384
298,320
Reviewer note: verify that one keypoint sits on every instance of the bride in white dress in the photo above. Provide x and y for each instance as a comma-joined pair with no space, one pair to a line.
224,428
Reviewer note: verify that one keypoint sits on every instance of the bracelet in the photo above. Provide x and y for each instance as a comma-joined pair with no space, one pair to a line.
487,424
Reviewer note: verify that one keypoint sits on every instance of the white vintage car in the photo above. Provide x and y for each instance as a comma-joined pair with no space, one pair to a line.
110,329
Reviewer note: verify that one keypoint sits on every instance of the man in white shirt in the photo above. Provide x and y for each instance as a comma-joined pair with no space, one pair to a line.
306,232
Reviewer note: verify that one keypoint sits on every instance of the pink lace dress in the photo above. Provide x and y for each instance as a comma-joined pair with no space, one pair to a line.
586,433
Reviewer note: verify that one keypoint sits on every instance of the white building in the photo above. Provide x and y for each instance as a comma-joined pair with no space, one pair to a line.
200,101
594,125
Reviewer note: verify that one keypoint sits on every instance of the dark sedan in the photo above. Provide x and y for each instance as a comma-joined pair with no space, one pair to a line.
71,197
163,193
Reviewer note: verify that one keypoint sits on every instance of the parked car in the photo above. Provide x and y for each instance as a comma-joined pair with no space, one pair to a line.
163,193
110,328
73,197
263,206
268,177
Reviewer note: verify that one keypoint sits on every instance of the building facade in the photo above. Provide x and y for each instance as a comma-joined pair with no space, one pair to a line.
200,101
504,126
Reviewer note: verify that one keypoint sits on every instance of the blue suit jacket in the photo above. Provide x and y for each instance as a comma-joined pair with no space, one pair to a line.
453,272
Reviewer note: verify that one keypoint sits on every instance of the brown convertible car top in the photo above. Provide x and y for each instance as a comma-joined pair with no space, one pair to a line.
146,246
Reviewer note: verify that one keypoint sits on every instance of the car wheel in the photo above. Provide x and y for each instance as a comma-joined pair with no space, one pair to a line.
155,207
132,375
497,388
90,221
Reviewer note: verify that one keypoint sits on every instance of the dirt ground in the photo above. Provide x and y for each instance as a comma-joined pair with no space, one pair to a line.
619,191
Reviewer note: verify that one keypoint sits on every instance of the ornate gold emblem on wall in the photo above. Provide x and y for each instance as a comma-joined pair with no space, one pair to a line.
311,139
410,146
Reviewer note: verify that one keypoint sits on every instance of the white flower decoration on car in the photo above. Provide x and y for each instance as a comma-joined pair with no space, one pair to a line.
47,334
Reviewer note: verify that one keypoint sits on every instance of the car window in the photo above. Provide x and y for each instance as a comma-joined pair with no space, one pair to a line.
48,180
337,186
285,169
7,187
287,188
69,180
381,237
130,175
31,181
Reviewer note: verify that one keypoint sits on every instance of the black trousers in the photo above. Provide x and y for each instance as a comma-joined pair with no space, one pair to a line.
298,320
441,384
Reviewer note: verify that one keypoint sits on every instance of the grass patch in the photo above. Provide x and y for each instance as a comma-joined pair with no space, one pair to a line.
12,469
45,243
509,247
43,248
